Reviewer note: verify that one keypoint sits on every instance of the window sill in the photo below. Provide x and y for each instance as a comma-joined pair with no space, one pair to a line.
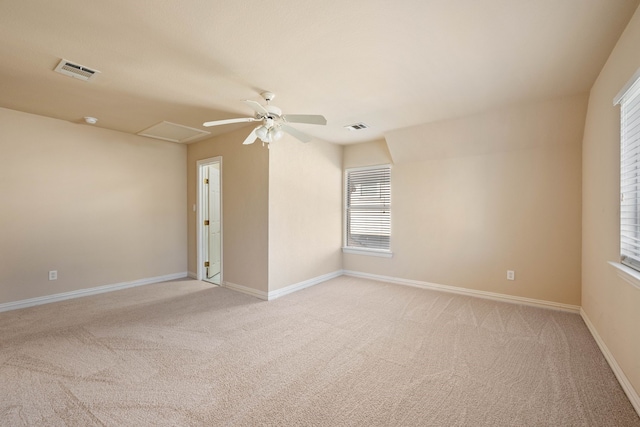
628,274
370,252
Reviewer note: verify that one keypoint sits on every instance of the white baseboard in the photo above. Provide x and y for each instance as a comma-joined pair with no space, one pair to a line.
304,284
468,292
192,275
268,296
631,392
87,292
246,290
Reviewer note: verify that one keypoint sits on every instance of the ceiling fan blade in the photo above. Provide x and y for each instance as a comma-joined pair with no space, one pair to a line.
296,133
257,107
312,119
251,138
229,121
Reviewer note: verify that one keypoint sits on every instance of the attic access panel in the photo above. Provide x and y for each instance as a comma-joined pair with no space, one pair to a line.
168,131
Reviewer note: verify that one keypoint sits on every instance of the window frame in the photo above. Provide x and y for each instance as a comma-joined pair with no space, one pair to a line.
629,172
363,250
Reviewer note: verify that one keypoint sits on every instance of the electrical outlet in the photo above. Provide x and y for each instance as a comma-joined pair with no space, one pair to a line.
53,275
511,275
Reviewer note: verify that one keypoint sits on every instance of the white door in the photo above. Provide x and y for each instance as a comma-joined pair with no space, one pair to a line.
213,234
209,219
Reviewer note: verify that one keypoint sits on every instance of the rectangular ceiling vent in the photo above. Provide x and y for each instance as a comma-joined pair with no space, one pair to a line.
75,70
357,126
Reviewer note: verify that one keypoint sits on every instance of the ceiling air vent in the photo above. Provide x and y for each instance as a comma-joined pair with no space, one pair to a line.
357,126
75,70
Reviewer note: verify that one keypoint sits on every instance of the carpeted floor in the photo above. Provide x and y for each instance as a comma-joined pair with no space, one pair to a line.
346,352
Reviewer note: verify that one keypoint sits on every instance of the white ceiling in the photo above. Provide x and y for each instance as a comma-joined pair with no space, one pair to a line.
389,64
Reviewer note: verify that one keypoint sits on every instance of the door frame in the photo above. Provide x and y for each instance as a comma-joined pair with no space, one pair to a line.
200,213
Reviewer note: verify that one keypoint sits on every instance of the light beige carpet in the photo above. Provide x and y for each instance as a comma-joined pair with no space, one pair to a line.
345,352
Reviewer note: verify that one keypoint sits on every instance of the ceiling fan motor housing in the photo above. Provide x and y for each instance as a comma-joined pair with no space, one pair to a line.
274,112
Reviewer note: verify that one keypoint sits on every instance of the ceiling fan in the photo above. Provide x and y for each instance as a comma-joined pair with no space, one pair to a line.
274,123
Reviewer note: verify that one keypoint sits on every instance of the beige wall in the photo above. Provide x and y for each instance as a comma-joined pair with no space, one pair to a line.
245,201
100,207
612,305
476,196
366,154
305,211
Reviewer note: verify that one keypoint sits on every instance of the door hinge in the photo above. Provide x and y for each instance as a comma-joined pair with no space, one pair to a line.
206,222
206,180
206,263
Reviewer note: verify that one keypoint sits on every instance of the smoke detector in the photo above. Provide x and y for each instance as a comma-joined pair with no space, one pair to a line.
76,71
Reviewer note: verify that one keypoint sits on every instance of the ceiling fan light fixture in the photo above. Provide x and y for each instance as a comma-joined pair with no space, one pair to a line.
269,134
261,132
276,133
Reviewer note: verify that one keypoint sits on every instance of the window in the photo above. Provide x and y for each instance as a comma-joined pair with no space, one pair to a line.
368,209
629,101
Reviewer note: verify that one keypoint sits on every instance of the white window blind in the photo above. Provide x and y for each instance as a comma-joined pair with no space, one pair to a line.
630,176
368,208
